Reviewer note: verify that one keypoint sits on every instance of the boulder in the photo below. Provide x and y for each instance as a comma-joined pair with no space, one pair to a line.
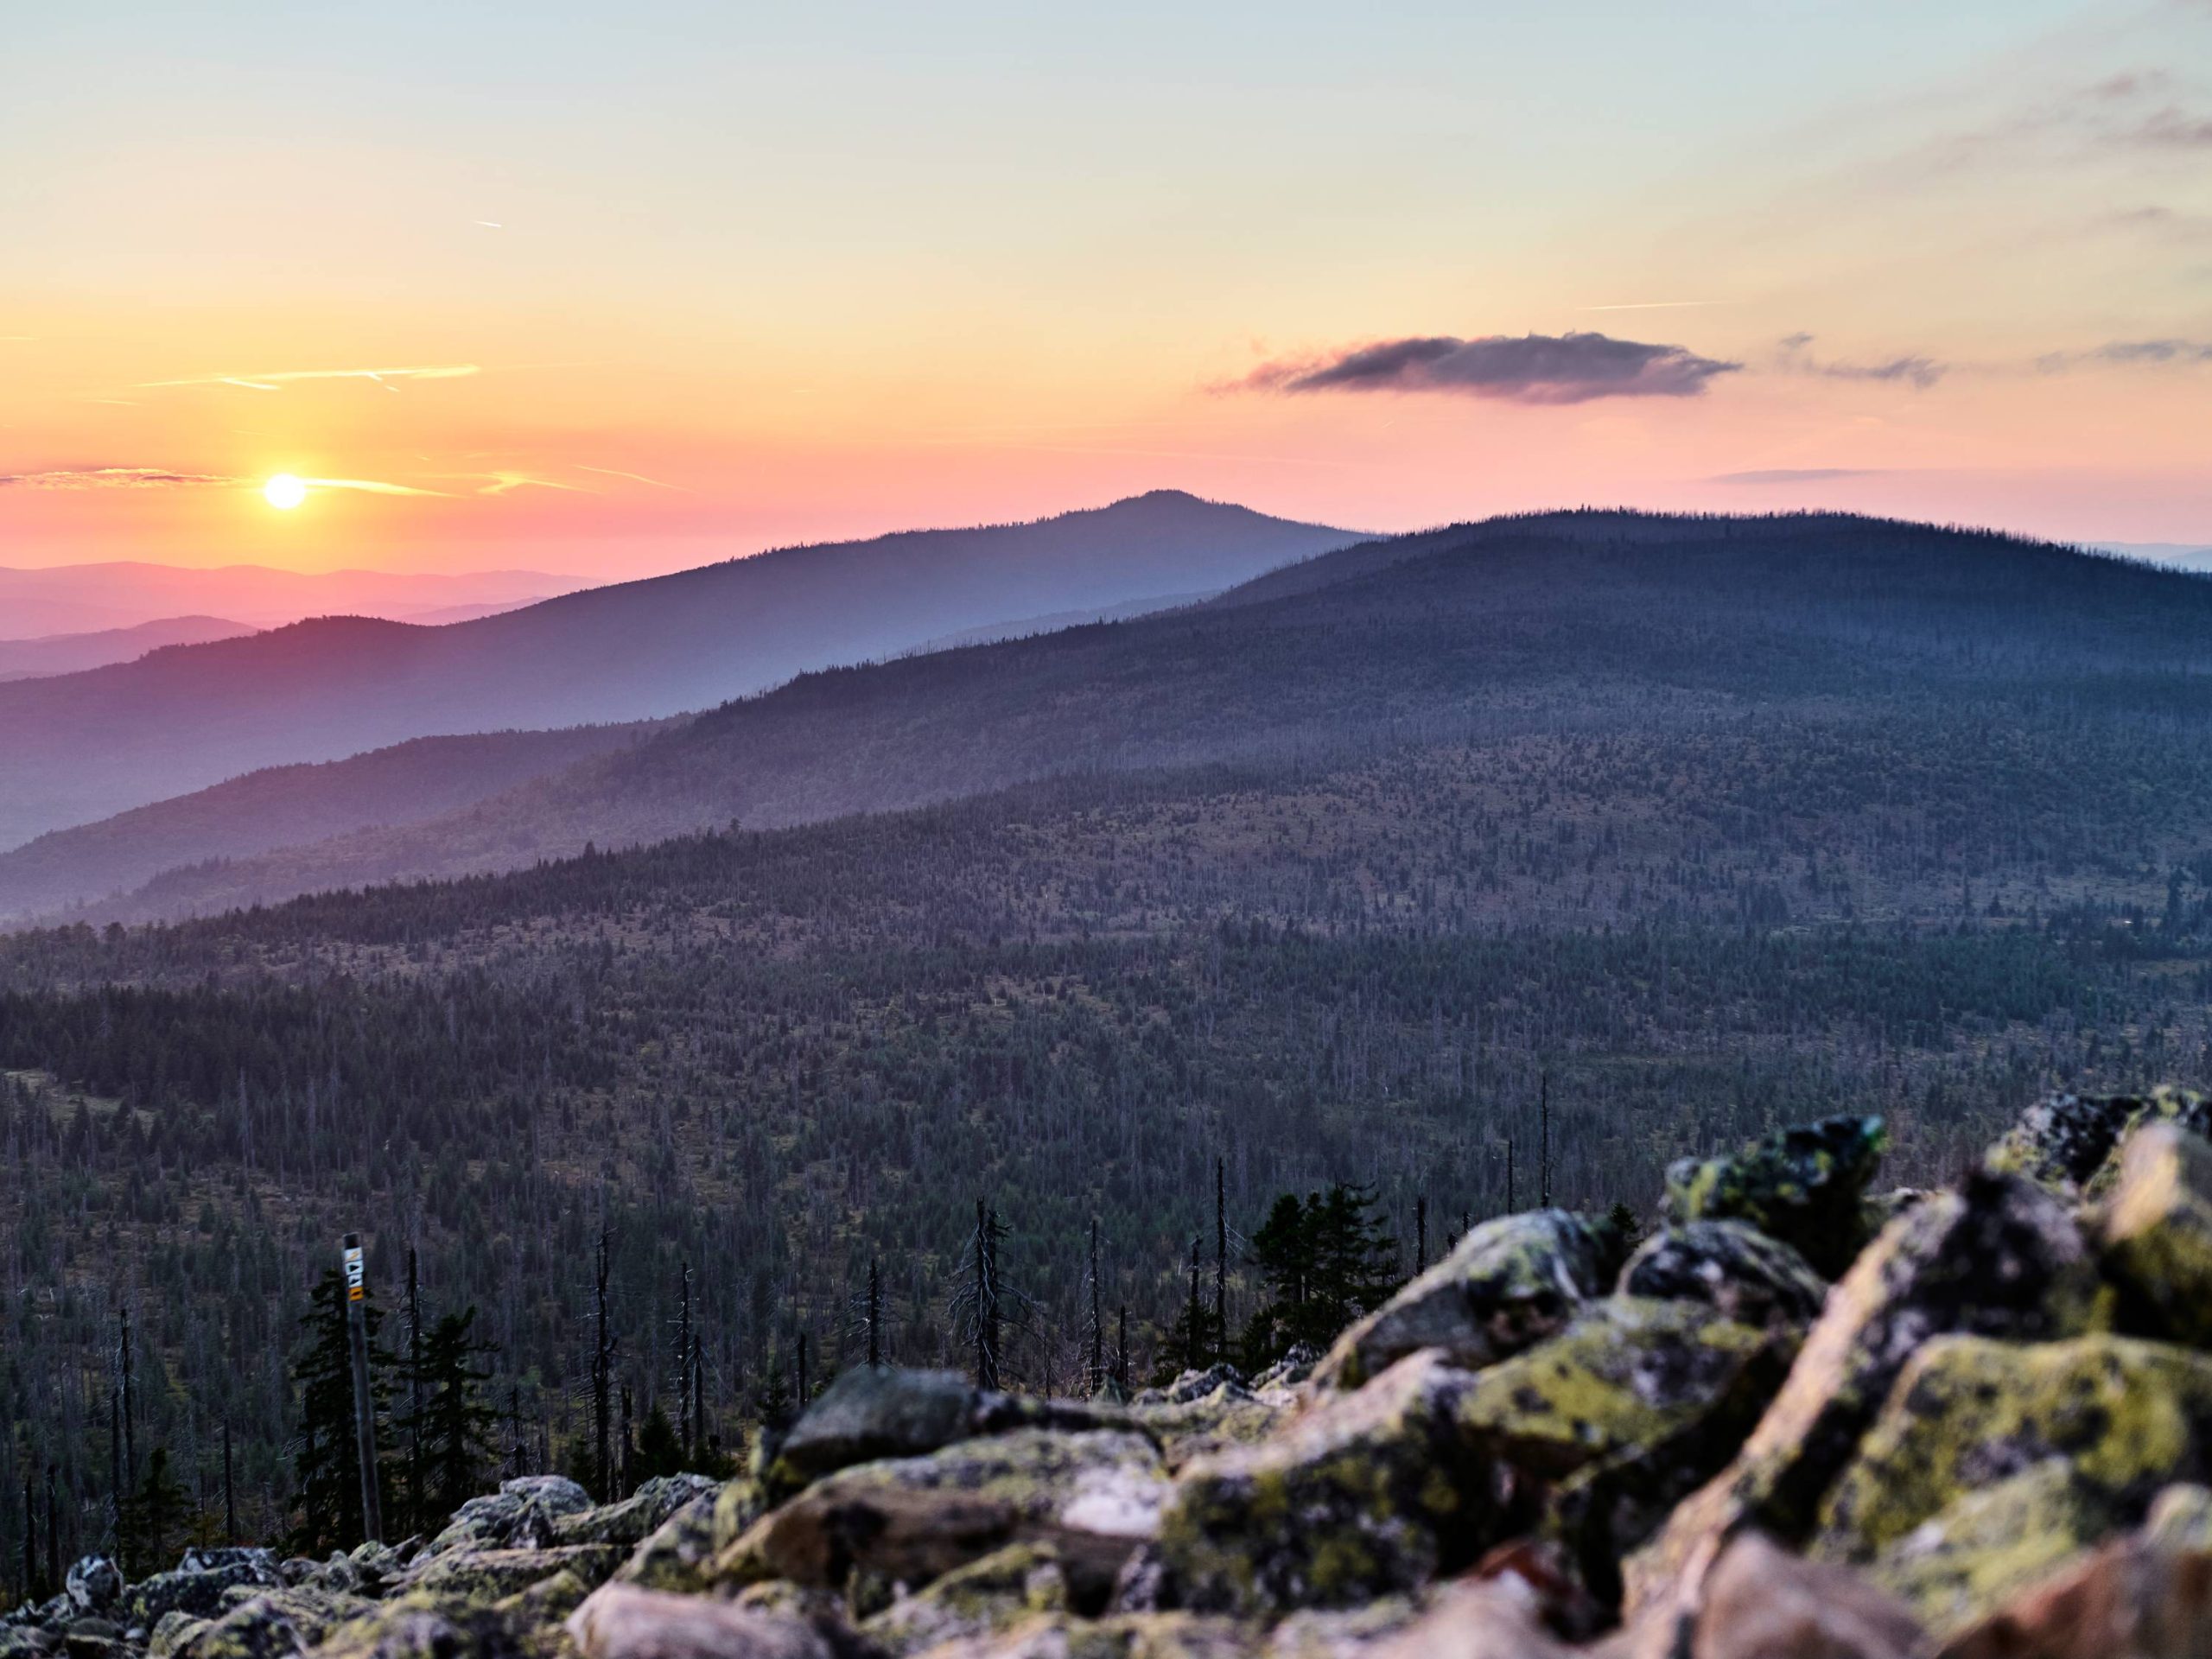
2125,1416
636,1517
197,1592
1490,1618
1801,1185
93,1584
2130,1599
1506,1286
985,1597
1732,1267
522,1512
2157,1227
1760,1602
872,1412
1093,1494
479,1577
1135,1636
419,1626
1222,1421
2063,1139
1370,1493
1220,1380
2001,1257
680,1554
1978,1551
2180,1519
269,1625
1294,1368
621,1621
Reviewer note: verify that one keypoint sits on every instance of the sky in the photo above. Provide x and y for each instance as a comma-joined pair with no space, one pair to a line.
605,291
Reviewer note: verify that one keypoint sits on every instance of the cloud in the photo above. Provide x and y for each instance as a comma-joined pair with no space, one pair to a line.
2129,354
116,478
1571,368
635,478
1795,474
278,380
503,482
1913,369
368,485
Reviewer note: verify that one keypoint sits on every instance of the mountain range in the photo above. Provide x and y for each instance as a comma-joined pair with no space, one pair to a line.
68,653
1600,622
77,748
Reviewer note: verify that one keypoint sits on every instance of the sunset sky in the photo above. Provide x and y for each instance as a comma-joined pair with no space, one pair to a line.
641,286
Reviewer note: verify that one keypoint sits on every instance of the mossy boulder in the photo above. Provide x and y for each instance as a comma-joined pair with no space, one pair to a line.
1507,1285
483,1576
679,1554
197,1591
523,1511
1129,1635
1222,1421
2157,1227
2131,1598
636,1517
93,1584
2127,1416
1987,1545
268,1626
1093,1494
1800,1185
985,1596
2000,1257
872,1412
1745,1274
2063,1139
2181,1517
1368,1493
416,1626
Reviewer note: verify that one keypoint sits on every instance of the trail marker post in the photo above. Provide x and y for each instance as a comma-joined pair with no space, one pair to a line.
365,1410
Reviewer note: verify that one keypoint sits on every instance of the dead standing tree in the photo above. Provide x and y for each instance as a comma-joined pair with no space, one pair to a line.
984,1306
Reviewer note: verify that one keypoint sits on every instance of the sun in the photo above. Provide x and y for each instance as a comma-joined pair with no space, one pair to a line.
285,491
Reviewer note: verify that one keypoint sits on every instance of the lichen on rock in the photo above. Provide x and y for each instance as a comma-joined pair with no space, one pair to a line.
1744,1273
1800,1185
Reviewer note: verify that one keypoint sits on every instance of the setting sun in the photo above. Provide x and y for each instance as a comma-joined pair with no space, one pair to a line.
285,491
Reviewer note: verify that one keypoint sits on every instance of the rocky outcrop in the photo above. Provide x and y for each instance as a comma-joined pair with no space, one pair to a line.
1990,1437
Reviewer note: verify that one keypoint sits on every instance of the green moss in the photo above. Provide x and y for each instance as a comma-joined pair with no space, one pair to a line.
1973,1556
2156,1225
2126,1415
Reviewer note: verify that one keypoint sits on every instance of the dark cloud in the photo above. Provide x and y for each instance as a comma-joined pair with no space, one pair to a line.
1795,474
2129,354
1913,369
1572,368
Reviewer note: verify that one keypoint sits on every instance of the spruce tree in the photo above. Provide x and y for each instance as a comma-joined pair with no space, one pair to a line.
326,1473
451,1430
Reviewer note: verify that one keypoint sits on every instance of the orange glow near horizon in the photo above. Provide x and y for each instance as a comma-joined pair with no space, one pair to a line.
1014,287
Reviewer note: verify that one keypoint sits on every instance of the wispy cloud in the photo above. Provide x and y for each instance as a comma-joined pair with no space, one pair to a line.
1795,474
1571,368
116,478
1915,369
1655,305
635,478
2129,353
367,485
502,482
276,380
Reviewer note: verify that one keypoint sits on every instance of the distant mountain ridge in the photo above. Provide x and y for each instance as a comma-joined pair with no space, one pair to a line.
71,653
1569,622
46,600
78,747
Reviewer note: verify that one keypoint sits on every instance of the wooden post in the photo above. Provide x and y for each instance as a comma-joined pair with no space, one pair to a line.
365,1405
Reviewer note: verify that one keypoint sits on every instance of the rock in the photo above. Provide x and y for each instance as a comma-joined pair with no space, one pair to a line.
1223,1381
985,1597
636,1517
259,1628
1368,1493
416,1626
1801,1185
549,1601
213,1558
2128,1417
621,1621
1506,1286
24,1642
1294,1368
93,1584
1215,1424
875,1412
1731,1266
2130,1599
522,1512
680,1554
1632,1408
2180,1518
1760,1602
2156,1226
479,1577
1139,1636
1343,1633
84,1646
1494,1619
1093,1494
172,1628
2063,1139
2001,1258
199,1594
1545,1574
1986,1544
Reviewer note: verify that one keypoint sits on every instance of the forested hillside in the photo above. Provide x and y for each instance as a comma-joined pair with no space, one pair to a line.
1623,837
